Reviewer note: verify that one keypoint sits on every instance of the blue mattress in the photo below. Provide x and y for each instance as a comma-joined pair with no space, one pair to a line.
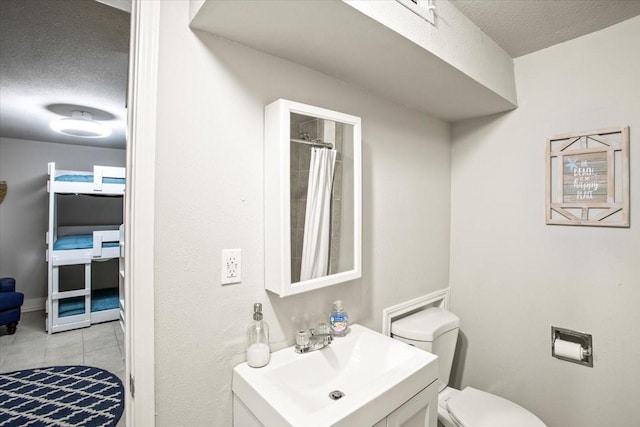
79,241
101,299
88,178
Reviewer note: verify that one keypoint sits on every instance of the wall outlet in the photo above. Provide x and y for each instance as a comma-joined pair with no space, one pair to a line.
231,271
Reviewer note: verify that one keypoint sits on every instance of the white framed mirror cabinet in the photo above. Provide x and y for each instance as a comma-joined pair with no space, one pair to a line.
313,197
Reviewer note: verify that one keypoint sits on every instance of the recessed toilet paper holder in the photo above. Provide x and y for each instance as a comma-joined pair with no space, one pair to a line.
567,348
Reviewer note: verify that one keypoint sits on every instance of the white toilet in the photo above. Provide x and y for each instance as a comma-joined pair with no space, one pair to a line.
436,331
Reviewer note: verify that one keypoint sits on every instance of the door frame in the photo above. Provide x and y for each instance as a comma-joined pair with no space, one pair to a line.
139,214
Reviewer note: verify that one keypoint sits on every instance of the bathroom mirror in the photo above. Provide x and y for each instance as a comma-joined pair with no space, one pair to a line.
312,197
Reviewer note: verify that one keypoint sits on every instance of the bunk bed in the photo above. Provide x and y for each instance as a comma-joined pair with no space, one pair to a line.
81,246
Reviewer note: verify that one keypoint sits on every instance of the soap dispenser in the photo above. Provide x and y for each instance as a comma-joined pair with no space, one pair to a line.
338,320
258,352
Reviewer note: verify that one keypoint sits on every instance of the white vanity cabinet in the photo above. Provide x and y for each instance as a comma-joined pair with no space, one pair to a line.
419,411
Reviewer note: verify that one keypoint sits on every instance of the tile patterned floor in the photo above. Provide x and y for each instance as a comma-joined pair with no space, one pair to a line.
100,345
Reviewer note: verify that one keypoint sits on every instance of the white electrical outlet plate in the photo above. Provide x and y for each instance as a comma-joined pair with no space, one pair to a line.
231,268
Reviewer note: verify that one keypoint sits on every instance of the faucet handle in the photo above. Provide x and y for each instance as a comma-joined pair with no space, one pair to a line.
302,339
323,330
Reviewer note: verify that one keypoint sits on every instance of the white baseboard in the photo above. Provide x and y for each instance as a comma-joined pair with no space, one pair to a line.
33,304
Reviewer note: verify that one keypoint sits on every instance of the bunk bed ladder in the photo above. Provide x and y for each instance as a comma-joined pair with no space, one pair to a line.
72,319
121,275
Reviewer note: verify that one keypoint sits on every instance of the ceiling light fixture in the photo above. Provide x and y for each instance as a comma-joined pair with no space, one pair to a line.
80,124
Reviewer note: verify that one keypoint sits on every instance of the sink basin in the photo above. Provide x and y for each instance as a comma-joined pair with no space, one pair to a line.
375,374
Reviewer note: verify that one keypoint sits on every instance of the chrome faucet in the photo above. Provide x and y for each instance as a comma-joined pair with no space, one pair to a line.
312,340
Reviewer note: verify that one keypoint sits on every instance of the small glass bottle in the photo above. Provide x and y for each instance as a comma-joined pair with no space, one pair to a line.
338,320
258,351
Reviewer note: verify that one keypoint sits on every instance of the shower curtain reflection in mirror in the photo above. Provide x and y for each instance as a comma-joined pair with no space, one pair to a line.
317,229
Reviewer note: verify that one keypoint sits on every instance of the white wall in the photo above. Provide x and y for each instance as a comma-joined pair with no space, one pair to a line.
24,212
209,196
512,276
454,39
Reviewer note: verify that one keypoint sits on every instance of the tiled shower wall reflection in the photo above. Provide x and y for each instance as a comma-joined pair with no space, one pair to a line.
328,131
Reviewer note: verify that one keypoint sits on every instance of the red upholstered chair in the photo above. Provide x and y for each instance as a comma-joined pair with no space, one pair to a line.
10,303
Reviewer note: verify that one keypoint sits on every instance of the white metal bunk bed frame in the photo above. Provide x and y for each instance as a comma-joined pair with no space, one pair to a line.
101,234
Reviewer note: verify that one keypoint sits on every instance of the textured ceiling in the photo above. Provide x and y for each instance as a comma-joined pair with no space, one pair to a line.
525,26
62,55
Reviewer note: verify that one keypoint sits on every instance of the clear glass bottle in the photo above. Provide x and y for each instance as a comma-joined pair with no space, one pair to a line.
258,351
338,320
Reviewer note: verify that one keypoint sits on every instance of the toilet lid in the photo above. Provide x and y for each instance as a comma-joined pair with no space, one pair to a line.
475,408
425,325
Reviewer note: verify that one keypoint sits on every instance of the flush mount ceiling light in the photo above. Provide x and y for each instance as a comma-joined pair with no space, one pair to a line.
80,124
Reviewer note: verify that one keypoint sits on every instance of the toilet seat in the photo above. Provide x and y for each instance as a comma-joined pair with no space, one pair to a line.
475,408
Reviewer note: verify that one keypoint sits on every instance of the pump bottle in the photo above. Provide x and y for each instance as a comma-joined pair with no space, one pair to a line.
258,351
338,320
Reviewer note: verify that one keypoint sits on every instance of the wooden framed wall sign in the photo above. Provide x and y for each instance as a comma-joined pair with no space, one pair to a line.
587,178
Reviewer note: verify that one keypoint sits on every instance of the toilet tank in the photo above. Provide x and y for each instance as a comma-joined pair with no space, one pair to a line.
434,330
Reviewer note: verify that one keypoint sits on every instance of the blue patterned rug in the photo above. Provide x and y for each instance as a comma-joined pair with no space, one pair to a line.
65,396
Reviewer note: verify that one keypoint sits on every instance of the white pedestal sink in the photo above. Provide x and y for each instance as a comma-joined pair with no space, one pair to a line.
375,374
